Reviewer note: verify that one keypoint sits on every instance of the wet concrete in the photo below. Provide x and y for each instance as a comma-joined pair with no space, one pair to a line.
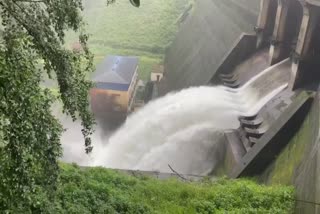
204,39
252,66
276,137
287,151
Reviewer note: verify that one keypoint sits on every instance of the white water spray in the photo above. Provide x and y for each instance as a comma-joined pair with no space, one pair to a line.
182,129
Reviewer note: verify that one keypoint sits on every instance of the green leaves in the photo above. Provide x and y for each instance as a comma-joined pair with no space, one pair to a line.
98,190
44,23
33,31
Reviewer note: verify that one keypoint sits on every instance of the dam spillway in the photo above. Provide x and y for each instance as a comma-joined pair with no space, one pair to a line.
186,129
203,40
280,144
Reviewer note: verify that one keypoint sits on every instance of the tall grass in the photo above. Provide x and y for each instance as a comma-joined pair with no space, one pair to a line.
98,190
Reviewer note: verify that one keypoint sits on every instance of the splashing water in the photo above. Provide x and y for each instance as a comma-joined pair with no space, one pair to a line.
183,129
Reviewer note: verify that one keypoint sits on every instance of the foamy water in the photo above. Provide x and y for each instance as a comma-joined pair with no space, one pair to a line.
183,129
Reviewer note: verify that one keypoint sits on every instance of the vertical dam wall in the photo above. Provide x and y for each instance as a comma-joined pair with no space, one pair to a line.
280,144
298,163
204,38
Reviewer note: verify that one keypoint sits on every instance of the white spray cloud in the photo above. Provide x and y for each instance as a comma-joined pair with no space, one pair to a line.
183,129
73,142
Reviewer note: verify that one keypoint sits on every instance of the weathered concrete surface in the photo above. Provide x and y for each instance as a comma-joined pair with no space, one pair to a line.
298,163
242,49
235,150
204,39
252,66
194,57
277,136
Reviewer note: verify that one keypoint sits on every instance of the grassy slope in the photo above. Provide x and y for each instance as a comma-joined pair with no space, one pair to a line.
121,29
97,190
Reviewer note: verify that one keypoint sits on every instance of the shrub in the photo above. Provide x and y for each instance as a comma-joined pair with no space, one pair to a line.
98,190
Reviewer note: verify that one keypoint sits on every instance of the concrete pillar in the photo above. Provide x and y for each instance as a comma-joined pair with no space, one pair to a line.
302,50
278,36
263,19
314,2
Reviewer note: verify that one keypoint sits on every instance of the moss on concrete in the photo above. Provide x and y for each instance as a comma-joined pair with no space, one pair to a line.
288,164
290,158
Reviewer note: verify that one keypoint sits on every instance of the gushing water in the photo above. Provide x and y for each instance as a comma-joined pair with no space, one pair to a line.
183,129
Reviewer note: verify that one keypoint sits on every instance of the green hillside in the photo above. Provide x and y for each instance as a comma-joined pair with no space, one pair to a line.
121,29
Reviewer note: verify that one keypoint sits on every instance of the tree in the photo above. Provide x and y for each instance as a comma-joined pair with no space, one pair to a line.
32,42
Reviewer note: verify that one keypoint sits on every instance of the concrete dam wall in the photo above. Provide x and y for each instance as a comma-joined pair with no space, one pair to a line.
279,144
204,38
298,163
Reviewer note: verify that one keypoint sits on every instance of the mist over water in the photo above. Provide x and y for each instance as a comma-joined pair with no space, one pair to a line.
73,142
180,129
183,129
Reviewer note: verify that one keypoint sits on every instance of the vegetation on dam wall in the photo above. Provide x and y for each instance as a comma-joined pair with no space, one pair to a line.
285,167
98,190
298,163
282,171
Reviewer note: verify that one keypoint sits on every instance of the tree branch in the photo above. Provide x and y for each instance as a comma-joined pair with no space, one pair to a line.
175,172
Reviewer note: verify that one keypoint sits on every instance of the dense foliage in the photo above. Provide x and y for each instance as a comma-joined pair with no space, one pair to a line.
31,43
98,190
